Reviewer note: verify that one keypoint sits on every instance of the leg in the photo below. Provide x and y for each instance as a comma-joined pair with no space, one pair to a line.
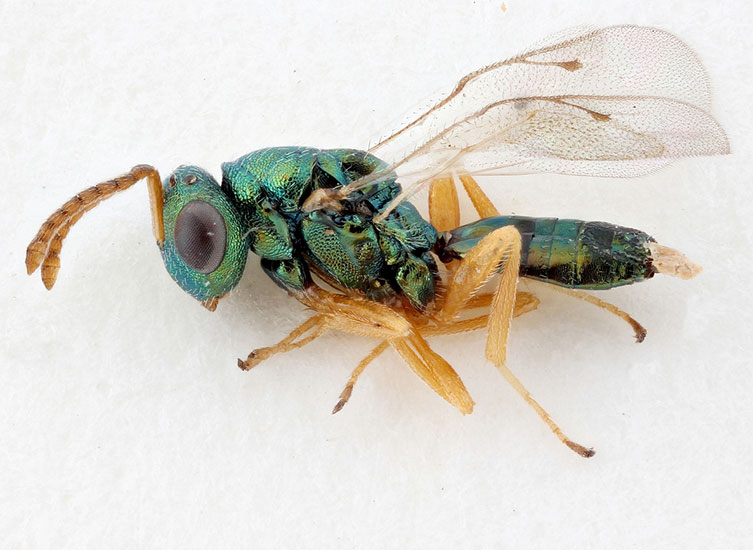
640,332
357,315
502,245
444,209
524,303
503,304
496,347
348,390
433,370
481,202
525,394
316,325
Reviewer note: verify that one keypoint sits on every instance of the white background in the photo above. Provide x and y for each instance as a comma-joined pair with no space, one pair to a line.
124,421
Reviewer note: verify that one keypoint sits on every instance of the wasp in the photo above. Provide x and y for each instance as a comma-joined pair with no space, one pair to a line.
335,230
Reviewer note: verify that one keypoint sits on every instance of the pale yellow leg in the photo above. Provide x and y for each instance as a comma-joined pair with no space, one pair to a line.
500,246
357,315
348,390
433,370
444,208
500,318
503,304
524,303
425,362
316,324
364,317
525,394
486,209
481,202
640,332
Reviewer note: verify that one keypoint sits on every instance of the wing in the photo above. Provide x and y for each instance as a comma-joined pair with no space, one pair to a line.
619,101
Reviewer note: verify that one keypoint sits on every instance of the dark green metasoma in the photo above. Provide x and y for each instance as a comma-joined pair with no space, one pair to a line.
569,253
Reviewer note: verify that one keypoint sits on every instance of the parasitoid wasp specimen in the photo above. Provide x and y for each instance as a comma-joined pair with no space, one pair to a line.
334,228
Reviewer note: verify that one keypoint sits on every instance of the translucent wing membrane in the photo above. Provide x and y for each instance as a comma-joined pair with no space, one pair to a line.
597,136
619,101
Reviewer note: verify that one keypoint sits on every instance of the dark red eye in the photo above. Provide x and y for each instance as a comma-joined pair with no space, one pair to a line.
200,236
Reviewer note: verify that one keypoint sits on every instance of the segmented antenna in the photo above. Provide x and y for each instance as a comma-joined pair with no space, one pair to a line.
45,247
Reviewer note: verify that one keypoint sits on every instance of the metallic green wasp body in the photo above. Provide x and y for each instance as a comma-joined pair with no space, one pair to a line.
619,101
569,253
261,199
344,246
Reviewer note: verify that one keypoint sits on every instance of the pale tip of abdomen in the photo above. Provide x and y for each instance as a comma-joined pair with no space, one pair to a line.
672,262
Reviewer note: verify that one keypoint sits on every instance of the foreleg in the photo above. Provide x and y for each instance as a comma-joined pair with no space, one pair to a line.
316,325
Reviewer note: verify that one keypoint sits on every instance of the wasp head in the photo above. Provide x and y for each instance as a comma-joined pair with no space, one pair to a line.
205,247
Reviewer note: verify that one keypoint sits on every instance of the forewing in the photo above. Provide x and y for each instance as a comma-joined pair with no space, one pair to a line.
579,135
618,101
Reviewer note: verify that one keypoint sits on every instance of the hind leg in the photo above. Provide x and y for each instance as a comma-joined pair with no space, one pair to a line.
640,332
501,246
486,209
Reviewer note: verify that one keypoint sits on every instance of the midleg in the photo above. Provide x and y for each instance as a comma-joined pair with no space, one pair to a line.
357,315
524,303
348,389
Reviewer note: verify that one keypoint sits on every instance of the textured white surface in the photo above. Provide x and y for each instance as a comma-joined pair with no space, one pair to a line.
124,421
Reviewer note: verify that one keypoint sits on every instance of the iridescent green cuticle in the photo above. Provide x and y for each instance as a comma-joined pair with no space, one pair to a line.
187,184
261,198
570,253
268,188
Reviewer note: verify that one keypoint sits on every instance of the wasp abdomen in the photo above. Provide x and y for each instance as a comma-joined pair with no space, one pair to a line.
570,253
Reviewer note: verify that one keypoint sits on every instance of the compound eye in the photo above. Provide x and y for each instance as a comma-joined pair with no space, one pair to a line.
200,236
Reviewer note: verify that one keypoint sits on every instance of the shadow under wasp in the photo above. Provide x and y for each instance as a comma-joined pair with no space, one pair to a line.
334,228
